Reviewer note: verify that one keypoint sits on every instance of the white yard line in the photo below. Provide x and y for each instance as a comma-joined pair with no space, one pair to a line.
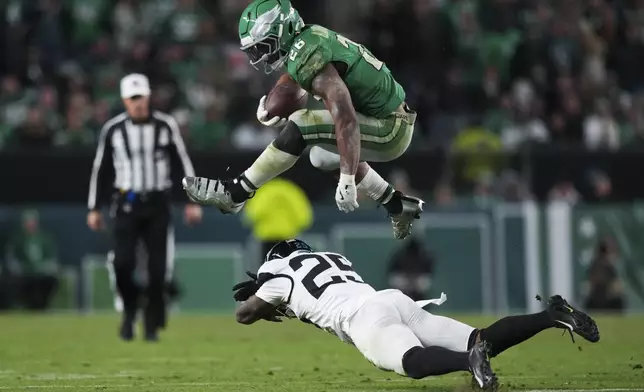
231,383
587,390
220,384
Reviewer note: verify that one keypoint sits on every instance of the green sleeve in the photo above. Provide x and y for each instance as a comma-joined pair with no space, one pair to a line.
310,61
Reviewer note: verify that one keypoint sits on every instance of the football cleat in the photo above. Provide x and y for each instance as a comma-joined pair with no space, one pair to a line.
211,192
126,332
480,366
412,207
573,320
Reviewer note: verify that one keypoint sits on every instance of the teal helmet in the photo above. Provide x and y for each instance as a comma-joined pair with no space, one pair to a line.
267,30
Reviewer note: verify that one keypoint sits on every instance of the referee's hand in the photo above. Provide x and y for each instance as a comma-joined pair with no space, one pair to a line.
192,214
95,220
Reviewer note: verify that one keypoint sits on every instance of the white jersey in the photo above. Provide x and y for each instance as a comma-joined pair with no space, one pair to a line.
320,287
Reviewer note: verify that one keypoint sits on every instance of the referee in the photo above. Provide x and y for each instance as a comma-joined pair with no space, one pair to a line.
137,151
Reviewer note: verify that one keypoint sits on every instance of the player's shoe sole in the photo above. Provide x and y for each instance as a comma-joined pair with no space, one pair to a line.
567,317
481,368
210,192
402,223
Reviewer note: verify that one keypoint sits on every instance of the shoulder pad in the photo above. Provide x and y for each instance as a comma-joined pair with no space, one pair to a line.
273,267
308,56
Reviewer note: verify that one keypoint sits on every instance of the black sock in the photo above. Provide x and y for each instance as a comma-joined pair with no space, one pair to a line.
394,205
513,330
237,192
421,362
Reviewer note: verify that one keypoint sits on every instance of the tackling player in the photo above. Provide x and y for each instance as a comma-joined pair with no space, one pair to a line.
367,117
391,330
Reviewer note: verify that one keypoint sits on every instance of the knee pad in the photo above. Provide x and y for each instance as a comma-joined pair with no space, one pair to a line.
323,159
290,140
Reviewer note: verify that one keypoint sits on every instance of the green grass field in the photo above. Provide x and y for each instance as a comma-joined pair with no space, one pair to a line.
212,353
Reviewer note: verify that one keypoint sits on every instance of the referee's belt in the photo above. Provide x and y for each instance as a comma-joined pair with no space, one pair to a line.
132,197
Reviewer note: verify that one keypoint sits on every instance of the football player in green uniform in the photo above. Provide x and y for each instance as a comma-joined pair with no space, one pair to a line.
367,118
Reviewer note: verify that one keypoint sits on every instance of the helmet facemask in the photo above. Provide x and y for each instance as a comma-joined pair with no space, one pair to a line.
266,37
266,51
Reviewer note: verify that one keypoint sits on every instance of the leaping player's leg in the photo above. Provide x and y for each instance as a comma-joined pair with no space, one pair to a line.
401,208
368,180
382,140
230,195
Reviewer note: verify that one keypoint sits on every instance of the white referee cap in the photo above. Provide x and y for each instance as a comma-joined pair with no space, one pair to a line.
133,85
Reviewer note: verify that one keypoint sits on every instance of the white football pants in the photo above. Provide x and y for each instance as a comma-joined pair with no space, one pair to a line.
391,323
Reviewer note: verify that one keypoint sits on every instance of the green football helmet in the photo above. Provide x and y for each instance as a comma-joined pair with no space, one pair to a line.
267,30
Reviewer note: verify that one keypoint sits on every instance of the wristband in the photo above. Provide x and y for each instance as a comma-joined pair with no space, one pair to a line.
347,179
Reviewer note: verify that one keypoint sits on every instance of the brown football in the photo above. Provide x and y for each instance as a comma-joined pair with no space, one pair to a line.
286,98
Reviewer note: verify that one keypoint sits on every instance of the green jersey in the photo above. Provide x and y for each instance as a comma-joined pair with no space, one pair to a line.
374,91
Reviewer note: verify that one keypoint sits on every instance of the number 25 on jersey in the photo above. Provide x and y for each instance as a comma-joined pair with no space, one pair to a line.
323,263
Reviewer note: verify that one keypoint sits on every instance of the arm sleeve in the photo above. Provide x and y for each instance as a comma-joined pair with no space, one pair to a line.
102,170
178,152
309,63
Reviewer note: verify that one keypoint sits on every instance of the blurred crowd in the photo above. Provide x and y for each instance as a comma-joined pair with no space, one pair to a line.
60,81
487,75
517,72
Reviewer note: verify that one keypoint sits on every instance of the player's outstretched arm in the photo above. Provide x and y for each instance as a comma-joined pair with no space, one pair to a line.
334,92
331,88
254,309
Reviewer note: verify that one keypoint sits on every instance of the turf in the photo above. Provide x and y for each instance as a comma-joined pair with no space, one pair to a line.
212,353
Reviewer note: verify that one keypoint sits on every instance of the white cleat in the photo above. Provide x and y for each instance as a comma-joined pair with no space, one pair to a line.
412,208
211,192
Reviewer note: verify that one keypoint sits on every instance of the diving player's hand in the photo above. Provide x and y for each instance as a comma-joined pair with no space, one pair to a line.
274,317
247,289
346,195
263,116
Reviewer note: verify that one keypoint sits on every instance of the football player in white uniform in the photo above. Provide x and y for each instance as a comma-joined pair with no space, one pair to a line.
391,330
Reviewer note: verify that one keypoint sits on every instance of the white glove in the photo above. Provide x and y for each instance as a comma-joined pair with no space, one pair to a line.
346,195
262,116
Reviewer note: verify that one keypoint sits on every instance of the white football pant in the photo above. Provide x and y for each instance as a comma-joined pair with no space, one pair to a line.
391,323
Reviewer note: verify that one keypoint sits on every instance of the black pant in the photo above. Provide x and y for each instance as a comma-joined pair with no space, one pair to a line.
33,291
148,219
37,290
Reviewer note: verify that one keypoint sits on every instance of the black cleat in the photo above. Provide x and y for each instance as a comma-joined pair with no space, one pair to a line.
412,207
480,367
573,320
127,330
152,336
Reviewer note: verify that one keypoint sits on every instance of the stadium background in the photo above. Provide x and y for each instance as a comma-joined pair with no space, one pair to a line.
528,147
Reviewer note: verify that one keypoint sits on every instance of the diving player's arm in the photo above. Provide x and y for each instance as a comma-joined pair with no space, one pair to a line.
334,92
274,290
254,309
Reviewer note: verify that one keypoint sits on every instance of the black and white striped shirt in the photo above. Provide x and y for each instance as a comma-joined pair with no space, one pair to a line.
139,156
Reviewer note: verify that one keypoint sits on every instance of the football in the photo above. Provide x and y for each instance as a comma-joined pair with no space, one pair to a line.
286,98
